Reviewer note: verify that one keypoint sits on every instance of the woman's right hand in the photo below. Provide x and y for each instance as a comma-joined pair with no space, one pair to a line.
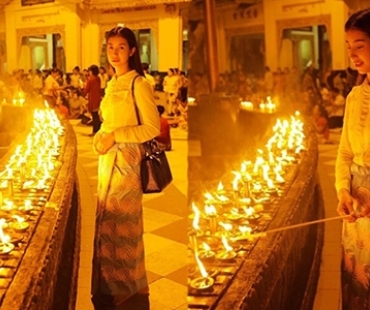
97,138
345,205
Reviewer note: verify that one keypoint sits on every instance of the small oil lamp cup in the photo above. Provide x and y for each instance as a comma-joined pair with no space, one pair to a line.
202,283
213,273
257,192
226,255
6,248
253,217
236,247
207,255
280,182
235,217
213,242
246,201
19,226
15,237
26,210
241,237
270,190
7,208
225,233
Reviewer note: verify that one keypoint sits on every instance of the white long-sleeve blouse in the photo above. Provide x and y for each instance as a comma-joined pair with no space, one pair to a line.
354,146
118,110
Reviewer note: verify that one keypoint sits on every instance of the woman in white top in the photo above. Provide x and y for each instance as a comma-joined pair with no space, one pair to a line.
76,78
119,278
353,171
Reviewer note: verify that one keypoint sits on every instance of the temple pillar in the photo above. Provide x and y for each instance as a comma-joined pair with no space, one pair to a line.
272,38
11,41
91,45
169,51
221,44
337,36
72,41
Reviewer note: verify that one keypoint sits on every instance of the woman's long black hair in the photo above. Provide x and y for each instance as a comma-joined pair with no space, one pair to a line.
134,61
359,20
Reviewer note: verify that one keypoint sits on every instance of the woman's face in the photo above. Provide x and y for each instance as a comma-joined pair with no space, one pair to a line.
358,49
169,73
119,51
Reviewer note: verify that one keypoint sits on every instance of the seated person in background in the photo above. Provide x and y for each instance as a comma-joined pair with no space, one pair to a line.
62,106
164,138
320,121
77,104
336,110
325,94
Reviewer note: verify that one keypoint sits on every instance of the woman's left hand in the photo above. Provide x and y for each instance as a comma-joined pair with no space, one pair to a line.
366,211
105,142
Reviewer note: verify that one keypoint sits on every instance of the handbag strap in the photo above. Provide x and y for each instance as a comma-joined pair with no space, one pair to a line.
149,146
133,96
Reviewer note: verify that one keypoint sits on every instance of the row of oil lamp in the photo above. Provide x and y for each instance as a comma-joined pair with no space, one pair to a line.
266,107
13,223
33,163
29,171
19,99
230,215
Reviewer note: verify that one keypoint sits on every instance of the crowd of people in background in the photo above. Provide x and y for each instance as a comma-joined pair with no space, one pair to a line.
77,95
320,95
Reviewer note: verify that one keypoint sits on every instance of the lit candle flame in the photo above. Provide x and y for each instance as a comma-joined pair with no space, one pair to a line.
249,211
226,226
210,210
220,187
202,269
209,196
270,184
4,238
226,245
19,219
196,217
245,230
236,181
27,204
206,247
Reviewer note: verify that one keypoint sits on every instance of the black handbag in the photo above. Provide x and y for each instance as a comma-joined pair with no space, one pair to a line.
155,171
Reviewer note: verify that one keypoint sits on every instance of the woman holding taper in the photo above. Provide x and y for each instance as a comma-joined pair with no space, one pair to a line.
353,171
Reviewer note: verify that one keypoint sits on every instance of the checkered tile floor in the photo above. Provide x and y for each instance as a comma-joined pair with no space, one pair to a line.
328,289
164,222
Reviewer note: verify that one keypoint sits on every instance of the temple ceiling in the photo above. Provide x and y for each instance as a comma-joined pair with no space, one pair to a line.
104,4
